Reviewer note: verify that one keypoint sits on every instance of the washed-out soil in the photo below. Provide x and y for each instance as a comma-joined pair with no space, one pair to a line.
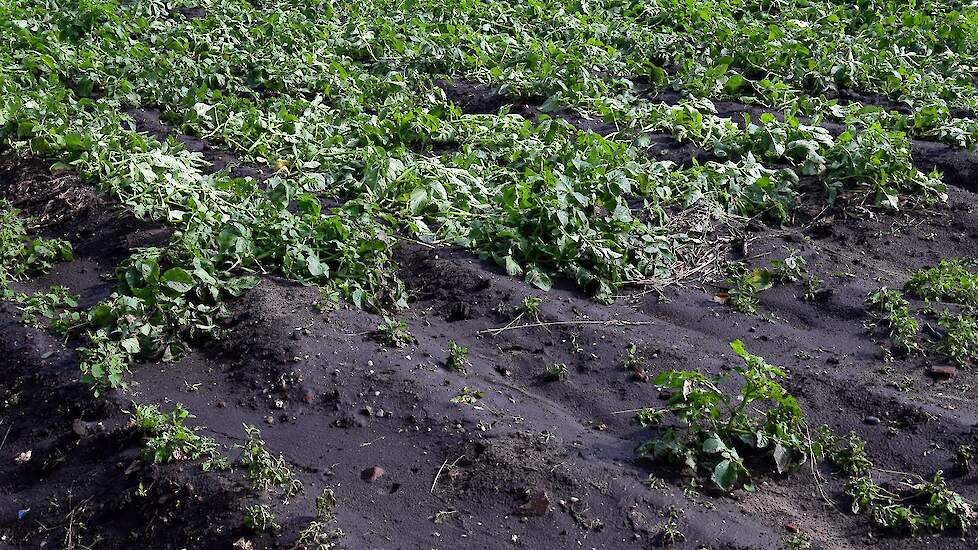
533,463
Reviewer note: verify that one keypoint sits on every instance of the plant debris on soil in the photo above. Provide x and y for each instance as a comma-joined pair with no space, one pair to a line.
604,274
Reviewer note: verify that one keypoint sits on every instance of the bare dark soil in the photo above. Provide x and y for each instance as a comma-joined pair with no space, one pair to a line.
533,464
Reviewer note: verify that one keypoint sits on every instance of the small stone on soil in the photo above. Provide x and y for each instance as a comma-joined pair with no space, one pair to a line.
85,429
871,420
372,474
942,371
537,505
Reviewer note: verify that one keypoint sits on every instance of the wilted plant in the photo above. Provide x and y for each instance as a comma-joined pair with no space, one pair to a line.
555,372
964,457
394,332
890,309
260,518
715,426
264,469
169,440
458,358
922,507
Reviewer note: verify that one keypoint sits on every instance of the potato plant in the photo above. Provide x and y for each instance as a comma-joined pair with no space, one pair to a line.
718,428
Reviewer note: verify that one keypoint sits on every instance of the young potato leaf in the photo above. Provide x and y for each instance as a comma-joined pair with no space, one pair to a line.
178,279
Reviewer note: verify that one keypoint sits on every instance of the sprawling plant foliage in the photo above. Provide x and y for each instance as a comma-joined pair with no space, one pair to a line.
168,439
524,131
952,283
360,110
22,254
913,508
718,425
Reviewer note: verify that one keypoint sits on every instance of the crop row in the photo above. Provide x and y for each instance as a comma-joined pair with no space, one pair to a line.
343,102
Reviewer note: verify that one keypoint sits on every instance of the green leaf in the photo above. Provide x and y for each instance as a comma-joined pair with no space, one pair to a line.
538,279
734,83
309,206
512,268
714,445
101,315
418,201
178,279
316,267
658,76
131,345
725,474
74,142
738,347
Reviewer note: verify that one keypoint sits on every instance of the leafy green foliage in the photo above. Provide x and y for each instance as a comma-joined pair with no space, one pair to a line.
879,160
458,358
555,372
891,309
948,281
317,534
468,396
168,439
960,339
632,360
924,507
792,268
543,198
951,281
264,469
814,289
22,255
345,102
260,518
104,363
548,223
798,541
649,417
531,305
394,333
56,305
342,100
157,307
847,453
325,505
747,284
671,531
715,427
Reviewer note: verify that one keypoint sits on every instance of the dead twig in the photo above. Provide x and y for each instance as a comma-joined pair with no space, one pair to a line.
5,437
437,475
626,411
815,475
607,323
